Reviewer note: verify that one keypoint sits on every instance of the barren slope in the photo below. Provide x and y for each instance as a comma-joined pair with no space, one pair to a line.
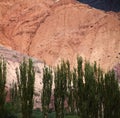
51,30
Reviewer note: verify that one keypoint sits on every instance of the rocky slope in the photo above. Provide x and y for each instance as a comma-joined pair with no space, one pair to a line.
13,59
53,29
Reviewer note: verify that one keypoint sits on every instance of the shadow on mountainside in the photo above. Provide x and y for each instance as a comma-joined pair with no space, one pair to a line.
106,5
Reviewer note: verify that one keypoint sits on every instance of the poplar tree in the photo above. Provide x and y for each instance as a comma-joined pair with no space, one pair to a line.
14,97
111,96
2,87
46,91
26,78
60,90
90,91
69,88
75,86
80,88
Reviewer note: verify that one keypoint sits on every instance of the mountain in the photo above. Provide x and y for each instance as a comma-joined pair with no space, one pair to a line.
107,5
54,29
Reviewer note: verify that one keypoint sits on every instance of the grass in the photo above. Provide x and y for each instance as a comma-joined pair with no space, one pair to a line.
71,116
38,114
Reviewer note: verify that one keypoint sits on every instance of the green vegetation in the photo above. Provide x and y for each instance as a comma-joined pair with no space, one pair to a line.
2,87
82,92
60,90
26,78
46,91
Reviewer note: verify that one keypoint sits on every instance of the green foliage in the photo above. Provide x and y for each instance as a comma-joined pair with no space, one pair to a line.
80,104
87,91
90,92
71,116
10,112
75,92
37,114
111,96
60,90
14,97
26,78
47,90
70,97
2,87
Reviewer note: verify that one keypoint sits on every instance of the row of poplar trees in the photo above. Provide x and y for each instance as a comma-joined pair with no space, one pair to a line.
21,92
85,91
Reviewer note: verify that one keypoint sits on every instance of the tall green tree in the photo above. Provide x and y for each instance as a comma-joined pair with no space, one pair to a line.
111,96
2,87
47,90
90,91
80,87
100,90
60,90
26,79
14,97
69,88
75,90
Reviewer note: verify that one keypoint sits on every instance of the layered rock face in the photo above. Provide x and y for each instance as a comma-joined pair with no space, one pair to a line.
54,29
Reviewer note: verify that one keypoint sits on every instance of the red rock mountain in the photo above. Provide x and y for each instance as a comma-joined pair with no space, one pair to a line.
53,29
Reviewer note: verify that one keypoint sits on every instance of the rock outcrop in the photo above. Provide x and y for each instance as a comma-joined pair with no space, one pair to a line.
54,29
13,60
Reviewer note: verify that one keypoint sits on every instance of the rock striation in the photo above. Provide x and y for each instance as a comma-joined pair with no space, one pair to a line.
54,29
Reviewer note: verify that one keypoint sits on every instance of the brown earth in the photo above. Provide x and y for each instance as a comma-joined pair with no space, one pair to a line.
54,29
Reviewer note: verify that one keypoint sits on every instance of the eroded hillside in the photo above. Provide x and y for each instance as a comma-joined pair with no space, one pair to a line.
54,29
